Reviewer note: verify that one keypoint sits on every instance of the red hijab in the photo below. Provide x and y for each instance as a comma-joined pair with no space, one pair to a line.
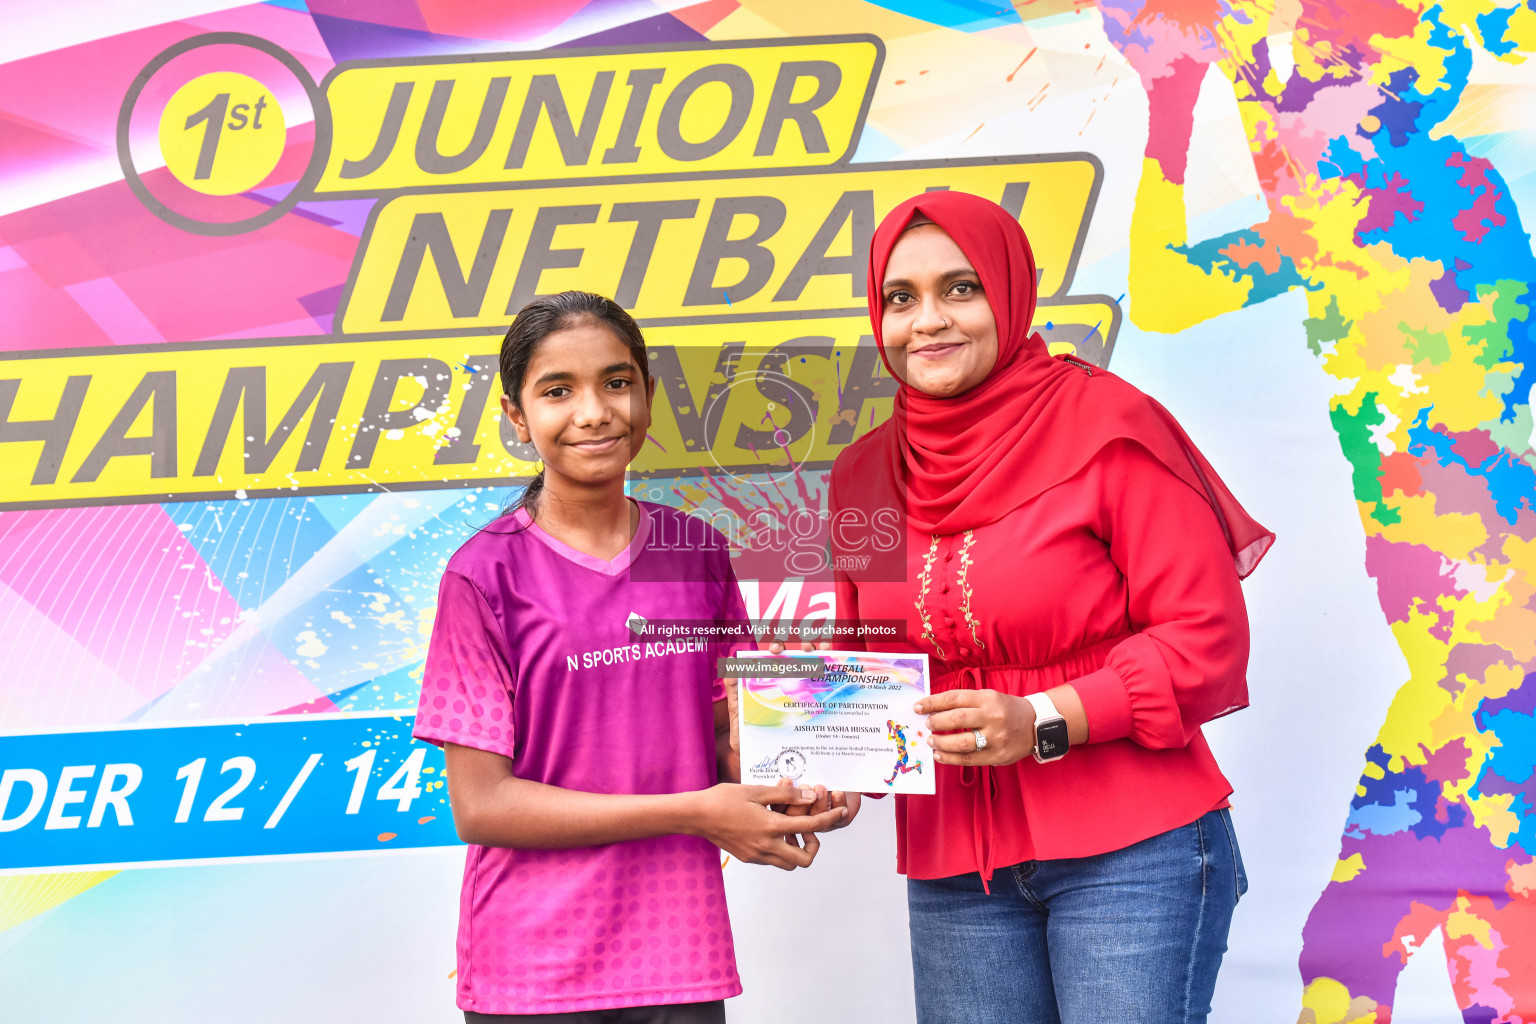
1035,421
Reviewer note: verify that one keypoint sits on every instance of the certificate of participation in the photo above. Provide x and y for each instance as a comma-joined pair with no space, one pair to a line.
840,719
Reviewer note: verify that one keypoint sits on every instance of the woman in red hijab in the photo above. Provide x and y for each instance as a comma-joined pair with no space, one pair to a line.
1071,568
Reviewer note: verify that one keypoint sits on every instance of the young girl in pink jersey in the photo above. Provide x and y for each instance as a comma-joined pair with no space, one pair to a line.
590,767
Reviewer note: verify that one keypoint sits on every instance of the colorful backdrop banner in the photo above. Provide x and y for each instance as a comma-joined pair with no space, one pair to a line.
255,262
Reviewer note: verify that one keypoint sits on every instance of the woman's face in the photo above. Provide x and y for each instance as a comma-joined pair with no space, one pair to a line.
939,332
585,406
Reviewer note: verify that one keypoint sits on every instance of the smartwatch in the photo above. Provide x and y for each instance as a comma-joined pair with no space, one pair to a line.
1050,729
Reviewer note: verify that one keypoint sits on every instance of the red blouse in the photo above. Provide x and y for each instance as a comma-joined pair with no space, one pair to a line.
1118,581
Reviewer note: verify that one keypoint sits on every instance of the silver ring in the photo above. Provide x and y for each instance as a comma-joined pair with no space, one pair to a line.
981,741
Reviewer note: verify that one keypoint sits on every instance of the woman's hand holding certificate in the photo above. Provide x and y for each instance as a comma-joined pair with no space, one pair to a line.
1004,724
959,718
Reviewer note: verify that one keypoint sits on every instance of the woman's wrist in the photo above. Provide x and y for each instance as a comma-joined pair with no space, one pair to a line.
1066,702
1071,707
1026,710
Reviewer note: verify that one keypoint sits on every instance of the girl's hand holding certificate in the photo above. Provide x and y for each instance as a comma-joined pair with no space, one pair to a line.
493,807
826,800
746,823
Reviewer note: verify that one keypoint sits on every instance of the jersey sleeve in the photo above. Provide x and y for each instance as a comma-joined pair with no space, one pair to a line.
467,687
1187,661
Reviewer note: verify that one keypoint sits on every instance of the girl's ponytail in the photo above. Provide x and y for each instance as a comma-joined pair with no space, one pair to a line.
529,498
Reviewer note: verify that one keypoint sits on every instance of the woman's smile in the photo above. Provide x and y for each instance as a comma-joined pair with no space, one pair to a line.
935,350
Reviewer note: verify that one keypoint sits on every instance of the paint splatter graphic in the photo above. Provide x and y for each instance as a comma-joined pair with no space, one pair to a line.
1418,273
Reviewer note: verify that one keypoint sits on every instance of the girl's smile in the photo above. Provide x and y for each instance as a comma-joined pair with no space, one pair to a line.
598,445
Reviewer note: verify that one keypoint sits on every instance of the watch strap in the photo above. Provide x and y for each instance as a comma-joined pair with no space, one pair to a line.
1045,708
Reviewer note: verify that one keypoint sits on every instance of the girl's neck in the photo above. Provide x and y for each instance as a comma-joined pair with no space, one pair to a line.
597,521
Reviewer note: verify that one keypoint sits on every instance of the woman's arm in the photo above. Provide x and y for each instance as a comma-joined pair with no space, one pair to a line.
1184,664
1187,662
493,807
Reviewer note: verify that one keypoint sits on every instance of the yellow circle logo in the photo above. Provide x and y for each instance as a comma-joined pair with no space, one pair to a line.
222,133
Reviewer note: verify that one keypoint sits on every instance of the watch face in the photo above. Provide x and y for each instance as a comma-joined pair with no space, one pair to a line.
1051,739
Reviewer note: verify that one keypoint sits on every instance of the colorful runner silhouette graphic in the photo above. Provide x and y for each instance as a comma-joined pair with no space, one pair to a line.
1385,208
904,762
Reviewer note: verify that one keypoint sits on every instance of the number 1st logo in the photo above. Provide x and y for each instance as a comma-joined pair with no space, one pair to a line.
222,133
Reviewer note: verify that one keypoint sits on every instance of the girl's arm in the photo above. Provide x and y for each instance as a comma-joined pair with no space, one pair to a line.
727,752
493,807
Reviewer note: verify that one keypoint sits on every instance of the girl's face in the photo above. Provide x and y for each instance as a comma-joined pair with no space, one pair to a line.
585,405
939,332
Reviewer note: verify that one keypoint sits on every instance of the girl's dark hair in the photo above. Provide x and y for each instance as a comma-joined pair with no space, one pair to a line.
542,317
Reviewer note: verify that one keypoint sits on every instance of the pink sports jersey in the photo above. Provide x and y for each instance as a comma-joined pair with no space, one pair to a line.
534,655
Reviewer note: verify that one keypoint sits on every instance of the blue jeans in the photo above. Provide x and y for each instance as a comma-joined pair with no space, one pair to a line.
1134,936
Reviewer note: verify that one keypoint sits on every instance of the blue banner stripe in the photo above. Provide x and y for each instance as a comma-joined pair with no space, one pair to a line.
276,787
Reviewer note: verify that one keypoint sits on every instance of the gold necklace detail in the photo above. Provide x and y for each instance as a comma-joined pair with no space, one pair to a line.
965,586
924,579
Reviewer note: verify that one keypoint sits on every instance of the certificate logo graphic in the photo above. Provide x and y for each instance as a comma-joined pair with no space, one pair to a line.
790,764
